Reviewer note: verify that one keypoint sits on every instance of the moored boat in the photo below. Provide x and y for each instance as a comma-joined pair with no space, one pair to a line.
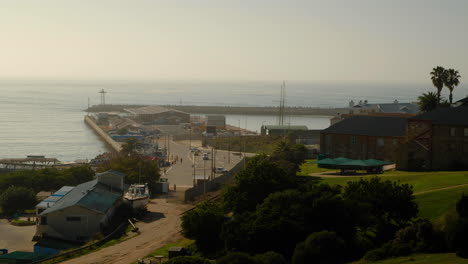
137,196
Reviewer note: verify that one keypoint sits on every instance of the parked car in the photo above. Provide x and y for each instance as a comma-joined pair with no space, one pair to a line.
205,156
220,170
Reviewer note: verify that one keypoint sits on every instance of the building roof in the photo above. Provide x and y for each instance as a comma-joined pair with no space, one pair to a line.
407,108
457,116
285,127
151,110
364,125
55,197
91,195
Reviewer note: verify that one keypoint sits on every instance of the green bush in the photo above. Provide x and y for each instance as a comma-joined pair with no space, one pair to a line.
389,250
17,199
323,247
188,260
237,258
270,257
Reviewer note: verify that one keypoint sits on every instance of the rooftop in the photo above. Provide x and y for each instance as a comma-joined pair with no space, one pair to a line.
92,195
364,125
446,116
149,110
285,127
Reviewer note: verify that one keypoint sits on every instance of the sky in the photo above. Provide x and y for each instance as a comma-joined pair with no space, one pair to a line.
329,40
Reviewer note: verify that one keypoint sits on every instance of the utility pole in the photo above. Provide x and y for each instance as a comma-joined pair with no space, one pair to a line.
193,165
204,176
212,163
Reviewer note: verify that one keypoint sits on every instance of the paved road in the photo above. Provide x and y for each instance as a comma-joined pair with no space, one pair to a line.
181,173
16,238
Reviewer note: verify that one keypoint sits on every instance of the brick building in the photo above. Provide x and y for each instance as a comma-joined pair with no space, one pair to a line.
364,137
437,140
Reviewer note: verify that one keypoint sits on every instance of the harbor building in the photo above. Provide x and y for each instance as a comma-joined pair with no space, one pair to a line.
81,211
364,137
158,115
437,140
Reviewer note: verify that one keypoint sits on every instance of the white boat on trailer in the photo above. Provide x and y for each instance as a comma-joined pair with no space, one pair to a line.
137,196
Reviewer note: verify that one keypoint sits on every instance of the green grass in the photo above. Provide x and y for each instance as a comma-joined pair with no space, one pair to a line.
421,181
163,250
443,258
308,168
436,204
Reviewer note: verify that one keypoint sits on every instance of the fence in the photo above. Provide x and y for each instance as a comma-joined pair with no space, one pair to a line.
66,255
187,137
215,184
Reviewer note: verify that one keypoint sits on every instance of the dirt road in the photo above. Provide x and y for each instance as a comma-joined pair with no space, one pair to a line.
160,227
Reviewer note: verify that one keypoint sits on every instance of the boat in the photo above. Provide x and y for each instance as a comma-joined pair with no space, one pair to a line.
137,196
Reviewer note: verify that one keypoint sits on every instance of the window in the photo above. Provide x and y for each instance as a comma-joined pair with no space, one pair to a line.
395,141
452,131
465,132
73,219
353,140
380,142
43,220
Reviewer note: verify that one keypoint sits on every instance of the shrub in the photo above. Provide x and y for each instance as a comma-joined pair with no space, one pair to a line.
188,260
389,250
270,257
237,258
323,247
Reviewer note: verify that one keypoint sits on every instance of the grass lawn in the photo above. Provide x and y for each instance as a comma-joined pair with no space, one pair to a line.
308,168
421,181
434,205
443,258
163,250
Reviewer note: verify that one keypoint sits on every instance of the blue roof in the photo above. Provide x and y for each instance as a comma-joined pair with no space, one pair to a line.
91,195
51,200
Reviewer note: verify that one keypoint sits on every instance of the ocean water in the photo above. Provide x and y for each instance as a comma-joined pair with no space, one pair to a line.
46,117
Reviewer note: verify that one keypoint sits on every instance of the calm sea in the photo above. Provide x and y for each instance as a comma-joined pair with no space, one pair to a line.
46,118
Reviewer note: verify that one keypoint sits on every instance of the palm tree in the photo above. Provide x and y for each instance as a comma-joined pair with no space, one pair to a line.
438,77
452,80
428,101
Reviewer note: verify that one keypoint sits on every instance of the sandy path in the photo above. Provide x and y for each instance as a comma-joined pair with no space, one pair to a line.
160,227
441,189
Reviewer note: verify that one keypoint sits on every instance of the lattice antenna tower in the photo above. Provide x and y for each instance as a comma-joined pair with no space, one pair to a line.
282,106
103,96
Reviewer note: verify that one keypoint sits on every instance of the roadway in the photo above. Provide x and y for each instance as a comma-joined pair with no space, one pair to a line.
181,173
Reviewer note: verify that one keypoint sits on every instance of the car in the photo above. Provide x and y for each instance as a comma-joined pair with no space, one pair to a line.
220,170
205,156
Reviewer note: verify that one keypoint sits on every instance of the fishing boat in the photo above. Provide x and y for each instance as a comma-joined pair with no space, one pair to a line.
137,196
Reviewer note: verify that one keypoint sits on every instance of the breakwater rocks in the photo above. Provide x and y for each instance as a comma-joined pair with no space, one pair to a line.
230,110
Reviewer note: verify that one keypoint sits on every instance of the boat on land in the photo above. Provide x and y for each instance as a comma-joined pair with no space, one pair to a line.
137,196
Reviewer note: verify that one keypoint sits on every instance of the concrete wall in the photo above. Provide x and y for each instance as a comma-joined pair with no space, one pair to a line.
116,146
214,184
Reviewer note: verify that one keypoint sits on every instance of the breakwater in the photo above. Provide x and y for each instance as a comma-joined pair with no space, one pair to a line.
232,110
115,146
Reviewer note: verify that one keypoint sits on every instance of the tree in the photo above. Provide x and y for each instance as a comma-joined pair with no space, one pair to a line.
390,205
294,153
438,77
188,260
204,224
270,257
322,247
452,80
17,199
285,218
462,206
128,148
427,101
254,183
137,169
237,258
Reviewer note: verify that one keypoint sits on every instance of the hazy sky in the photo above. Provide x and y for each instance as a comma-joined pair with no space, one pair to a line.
347,40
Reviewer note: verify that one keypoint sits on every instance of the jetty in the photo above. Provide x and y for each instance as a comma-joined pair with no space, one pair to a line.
229,110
